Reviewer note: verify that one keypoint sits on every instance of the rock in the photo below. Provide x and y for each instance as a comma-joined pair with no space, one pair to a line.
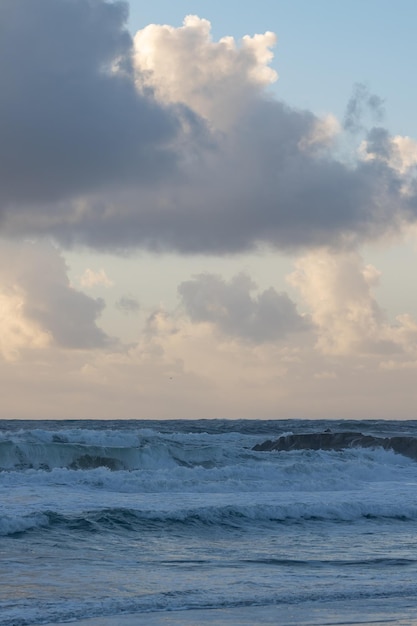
406,446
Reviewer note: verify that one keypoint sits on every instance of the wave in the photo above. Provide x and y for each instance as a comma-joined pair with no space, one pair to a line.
81,456
226,517
323,474
165,606
382,562
146,449
81,449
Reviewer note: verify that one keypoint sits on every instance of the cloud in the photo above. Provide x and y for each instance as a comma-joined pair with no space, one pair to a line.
224,365
39,306
71,120
399,152
215,79
323,133
183,371
338,288
360,103
91,278
234,311
127,305
18,332
173,143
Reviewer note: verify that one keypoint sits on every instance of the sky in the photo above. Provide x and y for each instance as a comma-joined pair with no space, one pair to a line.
208,210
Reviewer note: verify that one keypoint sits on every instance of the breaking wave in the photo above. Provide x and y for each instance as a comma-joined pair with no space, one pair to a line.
224,517
127,481
85,450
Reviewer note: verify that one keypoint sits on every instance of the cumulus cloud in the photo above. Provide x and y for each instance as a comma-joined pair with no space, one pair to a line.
215,79
232,309
71,120
339,291
323,133
399,152
39,306
173,142
182,370
18,332
184,364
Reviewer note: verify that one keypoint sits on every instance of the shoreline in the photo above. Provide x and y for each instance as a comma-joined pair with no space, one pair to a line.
378,612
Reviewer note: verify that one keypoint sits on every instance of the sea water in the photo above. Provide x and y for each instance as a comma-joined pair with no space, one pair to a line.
181,522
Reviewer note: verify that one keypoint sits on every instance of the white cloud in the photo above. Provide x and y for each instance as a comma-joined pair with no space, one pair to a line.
400,152
322,134
215,79
338,288
18,332
91,278
38,305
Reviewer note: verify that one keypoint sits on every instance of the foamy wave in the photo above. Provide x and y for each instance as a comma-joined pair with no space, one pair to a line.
223,516
79,456
12,525
167,467
144,449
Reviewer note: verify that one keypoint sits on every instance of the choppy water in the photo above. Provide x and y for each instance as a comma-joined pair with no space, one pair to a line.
102,519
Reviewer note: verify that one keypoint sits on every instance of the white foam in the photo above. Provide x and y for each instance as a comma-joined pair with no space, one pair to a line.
12,524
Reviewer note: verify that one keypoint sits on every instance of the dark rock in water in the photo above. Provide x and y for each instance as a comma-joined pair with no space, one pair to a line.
338,441
322,441
404,445
87,461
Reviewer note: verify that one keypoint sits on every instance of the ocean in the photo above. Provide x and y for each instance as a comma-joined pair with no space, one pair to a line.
117,523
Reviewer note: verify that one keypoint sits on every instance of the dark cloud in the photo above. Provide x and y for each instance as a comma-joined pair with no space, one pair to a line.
258,185
87,158
378,143
127,305
71,120
233,309
362,102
